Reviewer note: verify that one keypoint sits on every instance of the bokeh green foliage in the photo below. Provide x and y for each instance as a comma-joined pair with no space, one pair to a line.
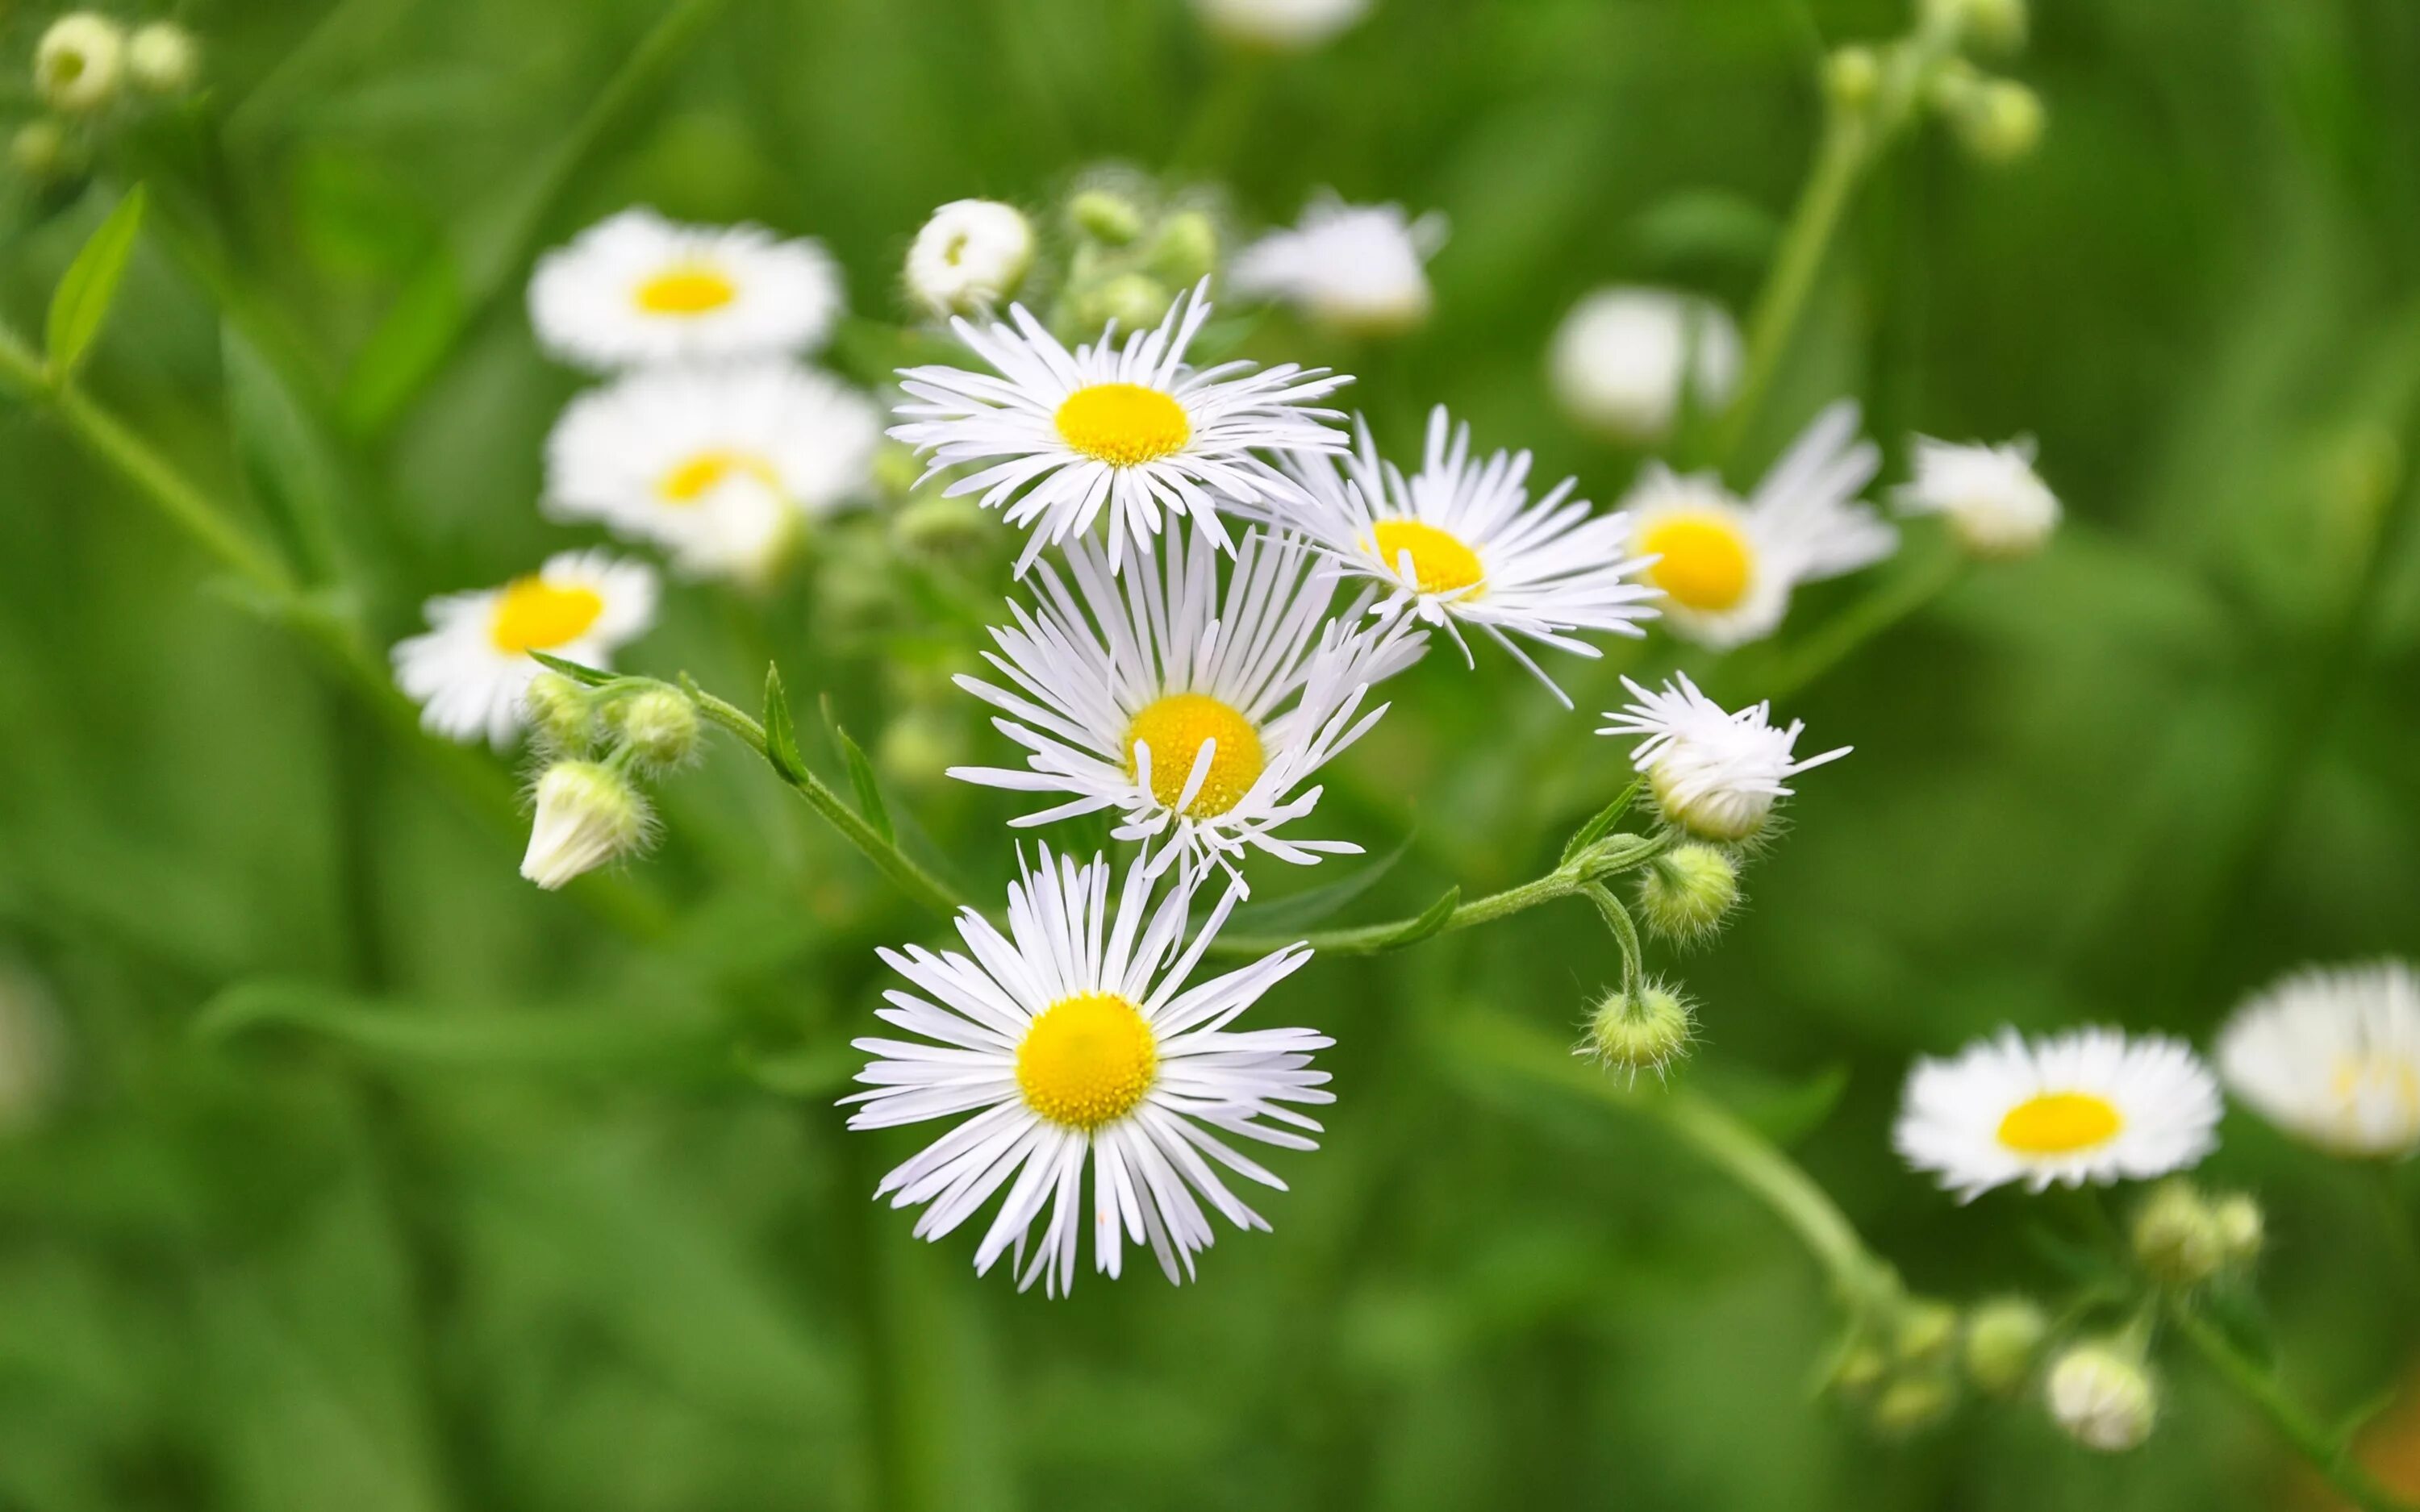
378,1179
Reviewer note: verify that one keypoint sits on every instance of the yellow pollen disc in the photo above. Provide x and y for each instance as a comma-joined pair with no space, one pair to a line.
693,479
1124,425
2393,1075
534,615
1174,728
2060,1123
1706,561
691,288
1439,560
1087,1061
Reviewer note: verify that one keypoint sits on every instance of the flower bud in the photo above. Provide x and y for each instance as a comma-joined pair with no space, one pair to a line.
2101,1395
1924,1331
1185,250
2177,1240
1106,216
1860,1370
38,150
2242,1230
1626,361
1684,893
661,726
1999,121
587,815
562,713
970,256
1134,300
80,62
1911,1404
161,59
1279,25
1642,1033
1995,25
1851,76
2002,1337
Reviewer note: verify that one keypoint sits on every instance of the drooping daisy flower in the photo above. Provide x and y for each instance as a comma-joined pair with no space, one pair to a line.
1074,1038
1726,568
637,288
469,672
1714,773
1194,716
1461,543
1127,429
2332,1058
1624,358
1356,268
2086,1105
1990,495
971,255
1280,26
716,464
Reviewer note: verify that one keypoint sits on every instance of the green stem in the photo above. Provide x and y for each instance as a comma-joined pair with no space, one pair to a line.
2326,1452
1881,610
1625,935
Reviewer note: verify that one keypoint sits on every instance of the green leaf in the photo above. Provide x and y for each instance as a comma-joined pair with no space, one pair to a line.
1431,919
288,472
2236,1312
781,733
412,340
591,676
570,1038
1301,911
87,289
1598,828
860,777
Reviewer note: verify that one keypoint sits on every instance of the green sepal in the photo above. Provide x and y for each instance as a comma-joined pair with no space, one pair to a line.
80,303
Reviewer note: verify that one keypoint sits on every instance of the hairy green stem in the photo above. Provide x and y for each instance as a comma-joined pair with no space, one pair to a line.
2327,1453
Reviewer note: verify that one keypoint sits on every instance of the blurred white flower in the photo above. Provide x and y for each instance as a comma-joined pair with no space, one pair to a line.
1072,1039
588,814
80,62
2099,1393
163,58
1356,268
2332,1058
1726,567
970,256
470,670
1282,25
33,1050
1715,772
718,464
1990,495
2085,1105
1622,357
637,288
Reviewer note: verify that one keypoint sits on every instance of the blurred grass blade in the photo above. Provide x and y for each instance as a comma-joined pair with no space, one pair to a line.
860,778
79,304
411,342
289,476
569,1038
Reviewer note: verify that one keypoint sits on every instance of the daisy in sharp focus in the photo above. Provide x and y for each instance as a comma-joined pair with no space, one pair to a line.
719,465
1123,428
1459,543
1358,269
2332,1058
1196,718
1726,567
2085,1105
637,289
1073,1039
469,672
1716,773
1990,495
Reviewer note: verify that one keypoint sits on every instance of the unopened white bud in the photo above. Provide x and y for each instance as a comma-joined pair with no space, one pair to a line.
2103,1397
1280,26
80,62
587,815
38,150
1647,1032
2176,1236
661,726
1995,503
2000,121
1686,893
2002,1337
163,59
970,257
1624,358
2242,1228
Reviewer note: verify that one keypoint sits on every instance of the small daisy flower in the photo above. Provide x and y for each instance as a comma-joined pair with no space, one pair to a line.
2332,1058
1716,773
1462,544
80,62
469,672
2086,1105
971,255
1129,429
1192,716
1726,568
1280,26
718,465
1072,1039
637,289
1358,269
1990,495
1622,359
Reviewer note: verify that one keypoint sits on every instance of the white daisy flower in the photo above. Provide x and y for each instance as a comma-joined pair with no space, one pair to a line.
1192,716
1461,543
1716,773
971,255
1726,568
718,465
1280,26
637,289
469,672
1130,429
1356,268
1624,357
1990,495
1074,1036
2332,1058
2086,1105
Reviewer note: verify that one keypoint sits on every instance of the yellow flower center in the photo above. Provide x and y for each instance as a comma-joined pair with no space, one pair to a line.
1124,425
1087,1061
693,479
689,289
2359,1077
1174,728
1440,562
532,614
1706,561
2060,1123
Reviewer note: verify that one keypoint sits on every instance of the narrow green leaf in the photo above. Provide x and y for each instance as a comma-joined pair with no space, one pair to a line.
1301,911
860,778
1431,920
1789,1114
87,289
570,1038
1601,826
780,733
288,474
411,342
592,676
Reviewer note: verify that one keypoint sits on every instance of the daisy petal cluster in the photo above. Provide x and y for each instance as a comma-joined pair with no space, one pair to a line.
470,670
1715,772
639,289
2332,1058
1072,1039
1360,269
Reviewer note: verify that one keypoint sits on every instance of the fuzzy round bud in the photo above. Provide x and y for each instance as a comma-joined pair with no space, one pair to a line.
562,713
1852,75
2102,1398
1912,1404
2176,1237
1185,249
1924,1330
2003,1335
1134,300
661,726
970,256
587,815
1684,893
80,62
1645,1032
2242,1230
38,150
163,59
2000,122
1106,216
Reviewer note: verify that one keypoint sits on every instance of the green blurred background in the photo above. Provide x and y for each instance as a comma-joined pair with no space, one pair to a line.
370,1178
